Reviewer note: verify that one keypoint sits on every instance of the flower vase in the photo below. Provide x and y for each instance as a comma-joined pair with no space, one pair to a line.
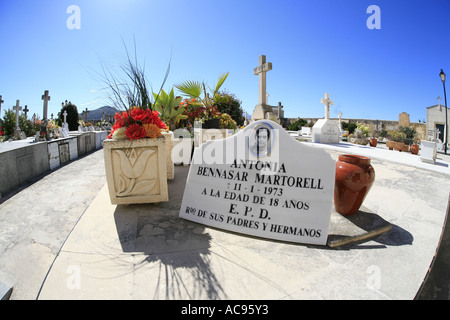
136,170
354,178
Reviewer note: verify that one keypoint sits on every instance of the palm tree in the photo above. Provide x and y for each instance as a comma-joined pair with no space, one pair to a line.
194,90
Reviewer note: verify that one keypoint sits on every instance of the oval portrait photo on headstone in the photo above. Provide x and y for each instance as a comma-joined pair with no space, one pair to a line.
261,140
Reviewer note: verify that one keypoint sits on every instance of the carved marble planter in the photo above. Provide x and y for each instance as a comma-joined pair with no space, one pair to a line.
136,170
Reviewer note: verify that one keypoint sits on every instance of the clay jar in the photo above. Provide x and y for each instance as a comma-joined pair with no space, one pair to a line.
354,178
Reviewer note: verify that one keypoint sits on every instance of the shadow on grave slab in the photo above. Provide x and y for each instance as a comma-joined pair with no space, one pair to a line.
180,249
366,226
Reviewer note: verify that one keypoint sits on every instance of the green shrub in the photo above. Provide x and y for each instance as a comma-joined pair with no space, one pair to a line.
72,116
396,135
9,124
297,125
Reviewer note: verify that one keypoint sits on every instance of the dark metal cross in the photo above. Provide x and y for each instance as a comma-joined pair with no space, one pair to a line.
1,101
26,110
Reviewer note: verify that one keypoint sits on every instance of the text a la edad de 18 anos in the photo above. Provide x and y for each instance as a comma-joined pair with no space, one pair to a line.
275,183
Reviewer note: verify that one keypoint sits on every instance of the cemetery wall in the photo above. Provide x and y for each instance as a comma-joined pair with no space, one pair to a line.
22,163
375,124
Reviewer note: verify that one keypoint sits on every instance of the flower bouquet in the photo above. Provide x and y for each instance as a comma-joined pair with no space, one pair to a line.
137,123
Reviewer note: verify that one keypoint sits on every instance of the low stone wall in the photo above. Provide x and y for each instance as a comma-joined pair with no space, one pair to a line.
20,165
23,161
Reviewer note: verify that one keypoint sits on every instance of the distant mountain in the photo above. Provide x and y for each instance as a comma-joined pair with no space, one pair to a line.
98,113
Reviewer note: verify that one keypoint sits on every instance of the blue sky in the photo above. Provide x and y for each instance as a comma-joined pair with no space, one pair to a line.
315,47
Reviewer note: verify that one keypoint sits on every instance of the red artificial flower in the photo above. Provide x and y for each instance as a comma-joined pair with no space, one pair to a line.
139,114
121,120
135,131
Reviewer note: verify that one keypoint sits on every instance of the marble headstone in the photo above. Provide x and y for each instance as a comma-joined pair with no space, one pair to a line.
326,130
262,182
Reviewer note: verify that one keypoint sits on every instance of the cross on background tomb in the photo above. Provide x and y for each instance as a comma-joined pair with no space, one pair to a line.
261,72
46,99
17,108
327,102
65,115
86,114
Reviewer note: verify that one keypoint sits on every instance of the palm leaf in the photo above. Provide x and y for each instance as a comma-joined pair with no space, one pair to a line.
192,89
222,79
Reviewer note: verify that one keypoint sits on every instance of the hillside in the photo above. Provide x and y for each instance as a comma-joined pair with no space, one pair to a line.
98,113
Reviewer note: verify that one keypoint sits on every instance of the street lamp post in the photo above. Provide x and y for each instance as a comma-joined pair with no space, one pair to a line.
442,75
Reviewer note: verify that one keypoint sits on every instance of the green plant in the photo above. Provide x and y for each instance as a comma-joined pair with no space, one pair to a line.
195,90
227,122
72,117
169,108
9,124
132,90
228,103
364,130
383,133
396,135
350,127
297,125
410,133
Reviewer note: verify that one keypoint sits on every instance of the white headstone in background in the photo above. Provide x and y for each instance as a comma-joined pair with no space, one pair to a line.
306,131
326,130
264,183
65,125
65,132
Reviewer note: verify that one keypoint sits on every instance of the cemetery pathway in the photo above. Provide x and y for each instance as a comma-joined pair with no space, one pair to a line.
35,222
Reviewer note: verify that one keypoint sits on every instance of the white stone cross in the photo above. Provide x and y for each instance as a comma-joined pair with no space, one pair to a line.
440,107
261,71
327,102
46,98
65,115
17,108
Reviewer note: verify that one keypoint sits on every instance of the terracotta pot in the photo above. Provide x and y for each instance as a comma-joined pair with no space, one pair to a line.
373,142
415,149
354,178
